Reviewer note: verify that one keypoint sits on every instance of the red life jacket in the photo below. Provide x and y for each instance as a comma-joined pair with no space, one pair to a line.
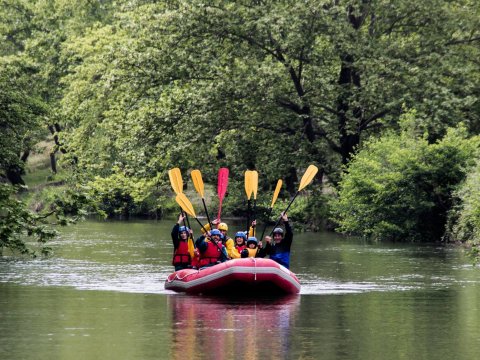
211,255
181,256
241,247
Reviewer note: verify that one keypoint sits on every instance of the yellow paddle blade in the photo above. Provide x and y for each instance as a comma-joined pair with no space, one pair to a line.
248,184
198,182
185,204
254,176
277,191
191,247
176,180
308,176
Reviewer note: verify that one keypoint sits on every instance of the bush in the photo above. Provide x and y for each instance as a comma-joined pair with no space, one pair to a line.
122,196
464,218
401,187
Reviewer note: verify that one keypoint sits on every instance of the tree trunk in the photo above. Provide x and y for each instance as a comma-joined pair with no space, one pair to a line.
53,162
14,175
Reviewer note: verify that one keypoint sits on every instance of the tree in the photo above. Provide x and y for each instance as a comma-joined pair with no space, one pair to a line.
179,83
401,187
20,113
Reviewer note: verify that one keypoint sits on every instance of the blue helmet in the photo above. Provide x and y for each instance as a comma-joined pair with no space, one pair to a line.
215,232
183,228
252,239
241,234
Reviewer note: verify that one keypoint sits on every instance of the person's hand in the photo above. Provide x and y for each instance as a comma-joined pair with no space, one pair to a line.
260,245
215,221
244,253
268,239
284,217
180,218
254,223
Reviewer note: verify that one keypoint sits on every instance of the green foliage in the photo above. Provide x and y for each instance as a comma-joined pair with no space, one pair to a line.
18,224
464,218
121,195
20,111
401,187
142,86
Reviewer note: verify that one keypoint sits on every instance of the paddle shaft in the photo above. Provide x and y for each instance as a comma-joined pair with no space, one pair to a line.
266,223
284,212
248,217
199,223
254,213
188,222
206,212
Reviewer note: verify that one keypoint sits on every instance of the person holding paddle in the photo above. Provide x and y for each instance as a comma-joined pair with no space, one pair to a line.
182,258
211,249
279,249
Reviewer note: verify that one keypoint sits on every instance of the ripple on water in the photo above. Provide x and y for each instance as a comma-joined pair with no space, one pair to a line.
85,275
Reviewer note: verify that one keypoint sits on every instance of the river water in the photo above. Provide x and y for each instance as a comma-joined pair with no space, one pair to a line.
101,296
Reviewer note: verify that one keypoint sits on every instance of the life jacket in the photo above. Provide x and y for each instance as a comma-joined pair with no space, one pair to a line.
240,247
211,255
252,252
181,256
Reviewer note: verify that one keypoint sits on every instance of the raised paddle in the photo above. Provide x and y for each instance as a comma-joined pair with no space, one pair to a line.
249,191
306,179
177,185
221,188
187,206
254,176
176,180
274,199
199,186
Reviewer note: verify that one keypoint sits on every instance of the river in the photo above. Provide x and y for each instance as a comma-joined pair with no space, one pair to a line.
101,296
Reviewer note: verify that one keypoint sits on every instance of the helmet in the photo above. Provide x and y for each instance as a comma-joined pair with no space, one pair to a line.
252,239
241,234
223,226
278,231
183,228
215,232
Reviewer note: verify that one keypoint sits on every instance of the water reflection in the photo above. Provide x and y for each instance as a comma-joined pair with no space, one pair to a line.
226,328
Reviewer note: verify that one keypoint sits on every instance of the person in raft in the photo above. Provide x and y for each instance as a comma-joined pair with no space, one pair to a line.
229,243
240,241
279,249
181,256
253,249
235,247
211,249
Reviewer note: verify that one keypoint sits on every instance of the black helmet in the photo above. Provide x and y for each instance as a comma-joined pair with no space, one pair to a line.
278,231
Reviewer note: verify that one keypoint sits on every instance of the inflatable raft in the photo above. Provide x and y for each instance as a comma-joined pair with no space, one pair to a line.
249,276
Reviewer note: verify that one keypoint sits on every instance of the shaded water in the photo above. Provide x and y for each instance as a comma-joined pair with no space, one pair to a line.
102,296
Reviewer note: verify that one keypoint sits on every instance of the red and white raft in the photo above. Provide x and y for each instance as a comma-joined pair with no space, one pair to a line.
249,276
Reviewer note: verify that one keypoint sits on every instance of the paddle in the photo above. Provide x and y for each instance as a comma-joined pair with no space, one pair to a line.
254,176
274,199
177,184
306,179
176,180
221,188
187,206
248,191
198,183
